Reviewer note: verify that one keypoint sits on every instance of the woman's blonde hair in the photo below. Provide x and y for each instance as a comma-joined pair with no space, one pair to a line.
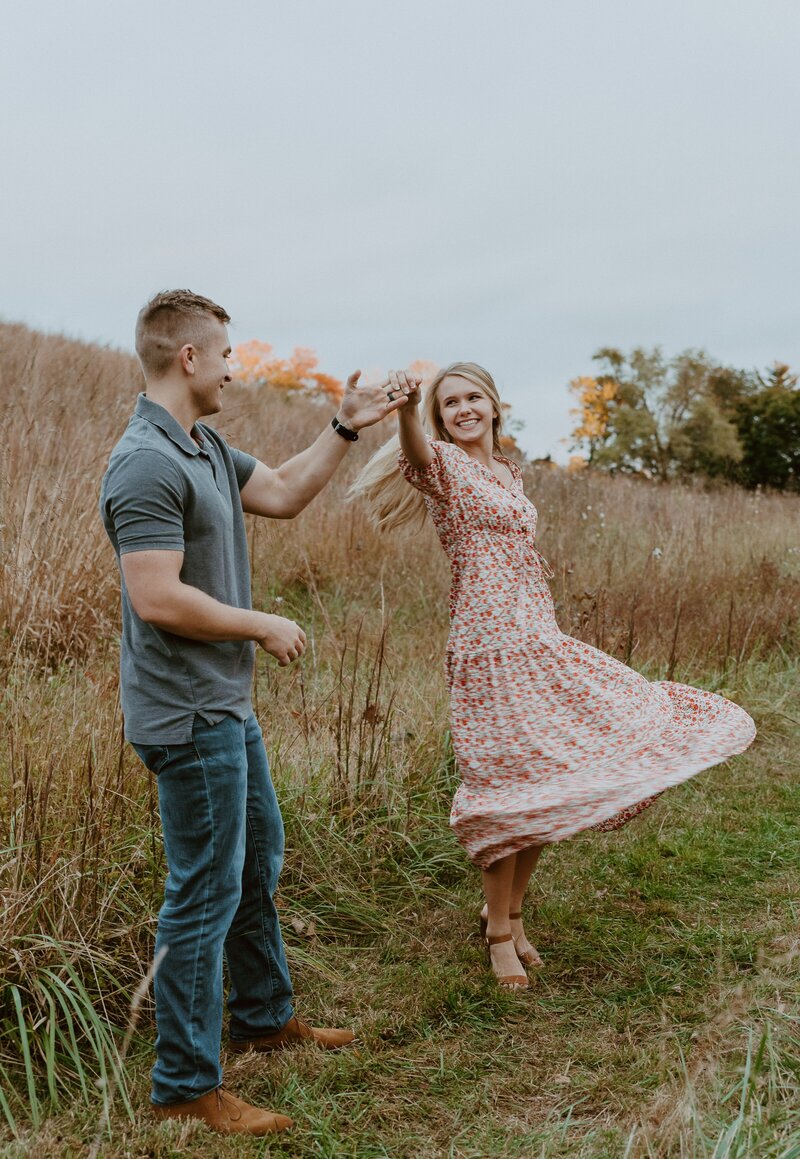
391,500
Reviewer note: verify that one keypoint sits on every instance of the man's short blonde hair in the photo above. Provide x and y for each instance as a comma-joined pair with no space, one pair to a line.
168,322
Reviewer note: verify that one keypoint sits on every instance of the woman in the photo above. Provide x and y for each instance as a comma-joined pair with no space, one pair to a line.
551,736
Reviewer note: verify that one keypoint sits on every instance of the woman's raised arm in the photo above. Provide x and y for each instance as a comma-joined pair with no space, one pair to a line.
413,440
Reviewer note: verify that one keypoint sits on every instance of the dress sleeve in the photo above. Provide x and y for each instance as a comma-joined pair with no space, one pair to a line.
435,479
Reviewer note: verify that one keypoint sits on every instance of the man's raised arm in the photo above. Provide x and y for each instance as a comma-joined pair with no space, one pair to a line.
283,492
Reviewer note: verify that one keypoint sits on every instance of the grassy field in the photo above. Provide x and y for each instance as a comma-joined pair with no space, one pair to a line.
665,1021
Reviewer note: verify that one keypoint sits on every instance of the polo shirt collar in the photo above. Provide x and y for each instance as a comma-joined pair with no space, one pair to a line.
160,417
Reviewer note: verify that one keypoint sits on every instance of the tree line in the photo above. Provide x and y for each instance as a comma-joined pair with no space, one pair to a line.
689,416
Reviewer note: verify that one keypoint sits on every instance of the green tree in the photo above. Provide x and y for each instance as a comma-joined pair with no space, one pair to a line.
668,418
769,431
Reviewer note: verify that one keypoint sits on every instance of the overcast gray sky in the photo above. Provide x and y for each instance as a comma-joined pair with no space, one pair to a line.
516,184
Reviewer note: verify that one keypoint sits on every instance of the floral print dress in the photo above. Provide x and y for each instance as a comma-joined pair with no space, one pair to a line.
551,736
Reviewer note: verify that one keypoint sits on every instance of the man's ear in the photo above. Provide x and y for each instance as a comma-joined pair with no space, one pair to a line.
187,355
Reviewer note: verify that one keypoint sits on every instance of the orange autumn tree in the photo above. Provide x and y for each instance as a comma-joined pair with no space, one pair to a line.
595,398
255,364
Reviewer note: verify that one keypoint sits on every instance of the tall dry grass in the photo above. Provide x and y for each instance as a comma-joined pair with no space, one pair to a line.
668,578
671,579
674,580
662,575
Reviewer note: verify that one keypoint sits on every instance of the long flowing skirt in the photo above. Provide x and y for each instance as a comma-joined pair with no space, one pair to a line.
554,737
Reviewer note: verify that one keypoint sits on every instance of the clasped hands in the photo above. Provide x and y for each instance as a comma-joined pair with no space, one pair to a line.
362,406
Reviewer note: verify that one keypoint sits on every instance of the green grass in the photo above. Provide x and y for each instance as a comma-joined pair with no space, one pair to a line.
665,1022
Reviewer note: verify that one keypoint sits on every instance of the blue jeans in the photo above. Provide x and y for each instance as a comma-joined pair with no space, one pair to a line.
223,836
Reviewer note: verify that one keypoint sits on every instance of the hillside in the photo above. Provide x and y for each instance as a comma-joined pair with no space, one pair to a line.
666,1013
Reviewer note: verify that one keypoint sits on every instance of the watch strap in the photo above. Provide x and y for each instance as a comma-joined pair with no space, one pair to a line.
344,431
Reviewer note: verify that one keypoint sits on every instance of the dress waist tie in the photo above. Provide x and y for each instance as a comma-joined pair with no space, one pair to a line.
543,564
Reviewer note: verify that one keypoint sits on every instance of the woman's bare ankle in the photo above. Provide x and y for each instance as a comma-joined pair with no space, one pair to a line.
527,951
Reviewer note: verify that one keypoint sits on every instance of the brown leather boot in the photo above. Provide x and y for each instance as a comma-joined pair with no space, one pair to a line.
223,1112
293,1032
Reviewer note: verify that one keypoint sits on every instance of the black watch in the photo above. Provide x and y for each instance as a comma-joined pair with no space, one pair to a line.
344,431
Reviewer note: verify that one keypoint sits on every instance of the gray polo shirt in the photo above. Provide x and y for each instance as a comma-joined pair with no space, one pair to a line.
165,492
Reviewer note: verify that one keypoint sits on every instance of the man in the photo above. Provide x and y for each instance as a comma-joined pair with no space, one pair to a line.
172,501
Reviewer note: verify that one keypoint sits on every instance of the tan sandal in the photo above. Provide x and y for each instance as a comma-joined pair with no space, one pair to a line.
506,981
527,957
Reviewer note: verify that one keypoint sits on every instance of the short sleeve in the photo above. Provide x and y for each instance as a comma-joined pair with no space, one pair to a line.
243,465
432,480
143,502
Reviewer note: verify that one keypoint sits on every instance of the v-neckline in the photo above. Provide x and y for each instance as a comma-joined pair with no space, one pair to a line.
499,481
